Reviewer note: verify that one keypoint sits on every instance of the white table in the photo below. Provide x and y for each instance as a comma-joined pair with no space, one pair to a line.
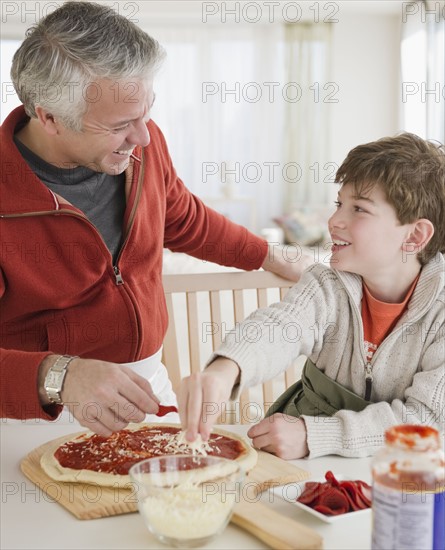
30,520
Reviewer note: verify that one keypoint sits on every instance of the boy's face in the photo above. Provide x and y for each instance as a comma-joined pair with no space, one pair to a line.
367,235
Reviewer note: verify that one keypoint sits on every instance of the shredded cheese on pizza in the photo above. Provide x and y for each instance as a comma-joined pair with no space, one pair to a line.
179,444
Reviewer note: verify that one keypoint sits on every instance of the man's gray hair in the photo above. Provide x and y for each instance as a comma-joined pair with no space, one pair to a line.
63,56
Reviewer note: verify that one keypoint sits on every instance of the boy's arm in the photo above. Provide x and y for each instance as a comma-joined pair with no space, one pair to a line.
353,434
258,349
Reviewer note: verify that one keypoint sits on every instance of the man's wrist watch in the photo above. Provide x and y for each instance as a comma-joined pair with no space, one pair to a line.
55,376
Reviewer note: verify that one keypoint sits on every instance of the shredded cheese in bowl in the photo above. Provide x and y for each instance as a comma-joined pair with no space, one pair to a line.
187,500
187,513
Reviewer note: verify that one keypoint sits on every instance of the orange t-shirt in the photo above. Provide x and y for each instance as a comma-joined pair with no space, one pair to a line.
379,318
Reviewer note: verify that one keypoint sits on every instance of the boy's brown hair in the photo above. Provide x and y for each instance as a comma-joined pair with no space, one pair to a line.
411,172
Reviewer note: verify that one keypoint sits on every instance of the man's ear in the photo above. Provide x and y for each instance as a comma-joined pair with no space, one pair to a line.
420,235
46,120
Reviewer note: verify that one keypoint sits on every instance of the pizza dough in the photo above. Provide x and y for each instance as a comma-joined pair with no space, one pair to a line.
166,444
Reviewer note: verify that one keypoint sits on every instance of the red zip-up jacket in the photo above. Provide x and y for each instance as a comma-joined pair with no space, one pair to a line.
59,290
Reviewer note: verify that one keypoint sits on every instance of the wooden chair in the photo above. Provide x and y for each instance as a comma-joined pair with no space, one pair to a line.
202,308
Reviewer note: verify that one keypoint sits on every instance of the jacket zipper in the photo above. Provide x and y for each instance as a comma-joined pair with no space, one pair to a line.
118,275
117,272
368,365
368,381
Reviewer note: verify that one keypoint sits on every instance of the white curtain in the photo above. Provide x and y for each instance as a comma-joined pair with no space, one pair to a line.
307,120
226,102
423,70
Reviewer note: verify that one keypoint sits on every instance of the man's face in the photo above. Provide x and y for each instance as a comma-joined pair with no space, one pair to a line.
113,126
367,235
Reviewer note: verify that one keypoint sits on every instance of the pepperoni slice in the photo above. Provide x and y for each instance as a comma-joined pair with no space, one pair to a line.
310,493
365,492
352,502
164,409
332,502
329,476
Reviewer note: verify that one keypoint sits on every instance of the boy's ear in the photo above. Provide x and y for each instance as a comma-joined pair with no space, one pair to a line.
420,235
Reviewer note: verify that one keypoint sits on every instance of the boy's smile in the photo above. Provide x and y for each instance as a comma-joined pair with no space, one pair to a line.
367,240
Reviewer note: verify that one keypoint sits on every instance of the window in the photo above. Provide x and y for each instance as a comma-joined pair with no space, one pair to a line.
9,98
423,73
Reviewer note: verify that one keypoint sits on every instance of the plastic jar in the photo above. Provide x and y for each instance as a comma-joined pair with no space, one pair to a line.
408,491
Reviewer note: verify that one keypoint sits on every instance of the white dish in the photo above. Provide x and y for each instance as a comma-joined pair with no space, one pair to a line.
292,491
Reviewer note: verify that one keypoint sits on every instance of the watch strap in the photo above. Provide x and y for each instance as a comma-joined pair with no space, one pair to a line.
55,377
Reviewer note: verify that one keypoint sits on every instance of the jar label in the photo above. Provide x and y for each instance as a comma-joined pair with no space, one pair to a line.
407,519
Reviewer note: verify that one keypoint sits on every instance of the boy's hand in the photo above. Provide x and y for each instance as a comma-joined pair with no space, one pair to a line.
202,396
281,435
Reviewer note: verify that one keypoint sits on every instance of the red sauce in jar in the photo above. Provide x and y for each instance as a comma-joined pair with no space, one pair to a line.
408,490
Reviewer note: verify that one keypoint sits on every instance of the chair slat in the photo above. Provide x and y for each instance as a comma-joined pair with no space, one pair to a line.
290,377
268,390
262,297
238,302
170,354
215,313
194,332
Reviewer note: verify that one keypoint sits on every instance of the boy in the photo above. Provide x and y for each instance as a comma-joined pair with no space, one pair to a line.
372,325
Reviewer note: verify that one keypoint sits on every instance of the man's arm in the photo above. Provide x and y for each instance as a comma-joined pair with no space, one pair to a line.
102,396
288,262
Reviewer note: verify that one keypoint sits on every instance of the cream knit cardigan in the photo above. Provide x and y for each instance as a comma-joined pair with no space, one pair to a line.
320,318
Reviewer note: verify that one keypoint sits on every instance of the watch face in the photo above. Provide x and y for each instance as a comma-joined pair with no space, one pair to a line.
54,379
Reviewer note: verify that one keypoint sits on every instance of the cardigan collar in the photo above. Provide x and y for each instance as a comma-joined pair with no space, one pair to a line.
431,283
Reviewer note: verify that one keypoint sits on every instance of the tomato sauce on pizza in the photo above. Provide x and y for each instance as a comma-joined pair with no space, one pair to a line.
117,453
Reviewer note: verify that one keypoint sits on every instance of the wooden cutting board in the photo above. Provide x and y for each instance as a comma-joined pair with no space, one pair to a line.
87,501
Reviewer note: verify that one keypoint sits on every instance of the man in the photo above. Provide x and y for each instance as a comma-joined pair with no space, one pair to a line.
89,199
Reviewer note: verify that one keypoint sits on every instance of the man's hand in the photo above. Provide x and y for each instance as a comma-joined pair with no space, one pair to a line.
103,397
286,261
202,396
281,435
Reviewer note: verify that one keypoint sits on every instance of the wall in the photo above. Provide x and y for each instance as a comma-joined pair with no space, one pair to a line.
365,65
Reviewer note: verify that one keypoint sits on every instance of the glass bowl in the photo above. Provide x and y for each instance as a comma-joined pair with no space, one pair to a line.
187,500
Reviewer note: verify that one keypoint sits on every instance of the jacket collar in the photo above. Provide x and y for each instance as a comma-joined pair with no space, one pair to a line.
21,191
